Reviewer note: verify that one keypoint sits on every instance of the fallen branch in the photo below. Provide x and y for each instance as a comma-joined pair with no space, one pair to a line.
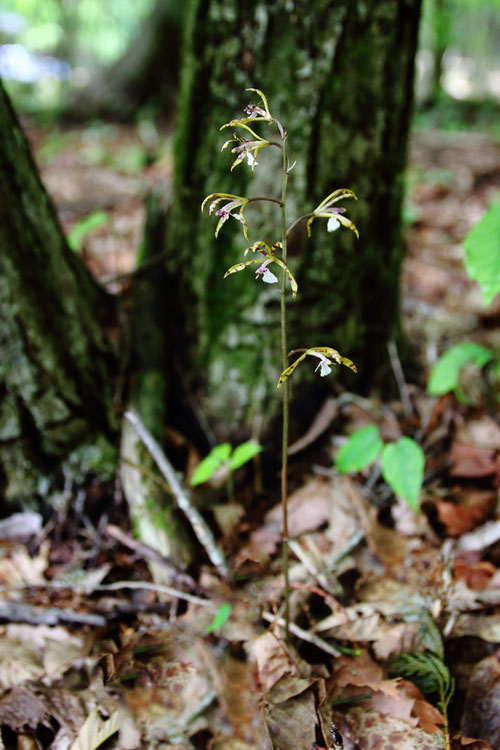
15,612
304,635
181,495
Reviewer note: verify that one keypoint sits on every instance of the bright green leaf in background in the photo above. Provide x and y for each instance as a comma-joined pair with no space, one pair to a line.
83,227
220,618
403,469
361,449
211,463
482,253
445,374
243,453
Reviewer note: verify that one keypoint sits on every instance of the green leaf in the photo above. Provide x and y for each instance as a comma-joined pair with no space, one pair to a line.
220,618
211,463
482,253
243,453
403,469
446,372
362,448
83,227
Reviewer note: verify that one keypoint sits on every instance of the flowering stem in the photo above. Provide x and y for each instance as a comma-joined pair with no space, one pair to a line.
259,198
297,221
286,399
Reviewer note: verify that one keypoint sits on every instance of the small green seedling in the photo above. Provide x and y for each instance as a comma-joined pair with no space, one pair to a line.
482,263
482,253
84,227
223,455
445,375
220,618
402,462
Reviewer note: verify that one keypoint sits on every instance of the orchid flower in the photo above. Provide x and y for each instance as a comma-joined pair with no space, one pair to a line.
335,216
246,150
263,271
327,357
256,113
234,201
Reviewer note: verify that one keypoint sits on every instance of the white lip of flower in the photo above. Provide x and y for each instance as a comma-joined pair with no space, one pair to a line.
324,364
332,225
267,275
251,160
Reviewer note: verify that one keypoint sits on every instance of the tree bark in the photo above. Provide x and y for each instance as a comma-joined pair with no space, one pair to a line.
339,76
56,364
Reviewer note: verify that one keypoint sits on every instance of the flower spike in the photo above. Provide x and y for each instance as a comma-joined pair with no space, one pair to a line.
335,216
326,355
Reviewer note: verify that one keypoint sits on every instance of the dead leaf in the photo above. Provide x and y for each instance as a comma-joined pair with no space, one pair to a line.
372,731
18,664
458,519
308,507
95,731
272,659
473,460
477,575
481,712
486,627
21,708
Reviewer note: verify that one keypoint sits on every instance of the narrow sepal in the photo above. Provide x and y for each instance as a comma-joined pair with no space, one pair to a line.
293,284
241,266
286,373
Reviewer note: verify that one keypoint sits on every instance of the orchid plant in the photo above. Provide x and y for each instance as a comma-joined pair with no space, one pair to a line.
225,205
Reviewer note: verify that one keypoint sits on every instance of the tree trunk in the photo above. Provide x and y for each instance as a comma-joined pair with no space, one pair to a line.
155,518
339,76
55,384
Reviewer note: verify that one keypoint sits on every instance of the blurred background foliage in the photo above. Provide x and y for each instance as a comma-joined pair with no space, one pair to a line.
50,49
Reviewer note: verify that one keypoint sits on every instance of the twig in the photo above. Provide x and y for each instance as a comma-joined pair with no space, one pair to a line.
15,612
181,495
157,587
304,635
400,378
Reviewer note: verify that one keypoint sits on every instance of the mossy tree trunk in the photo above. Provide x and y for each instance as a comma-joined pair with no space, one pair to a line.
339,75
55,384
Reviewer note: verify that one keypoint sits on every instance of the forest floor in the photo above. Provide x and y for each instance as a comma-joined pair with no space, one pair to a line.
95,652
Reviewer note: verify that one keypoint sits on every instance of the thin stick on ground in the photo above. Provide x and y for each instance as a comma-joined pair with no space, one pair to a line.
181,494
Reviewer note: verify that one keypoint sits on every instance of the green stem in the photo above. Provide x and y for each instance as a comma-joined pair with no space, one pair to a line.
286,399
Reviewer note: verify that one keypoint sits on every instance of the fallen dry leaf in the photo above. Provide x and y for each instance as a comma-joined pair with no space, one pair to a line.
458,519
469,460
272,659
373,731
481,713
477,575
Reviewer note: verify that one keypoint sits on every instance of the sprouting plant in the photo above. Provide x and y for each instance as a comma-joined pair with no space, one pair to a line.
482,263
248,146
402,462
223,456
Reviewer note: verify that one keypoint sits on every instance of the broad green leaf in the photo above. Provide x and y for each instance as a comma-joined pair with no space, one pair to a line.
83,227
211,463
243,453
445,374
220,618
403,469
362,448
482,253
